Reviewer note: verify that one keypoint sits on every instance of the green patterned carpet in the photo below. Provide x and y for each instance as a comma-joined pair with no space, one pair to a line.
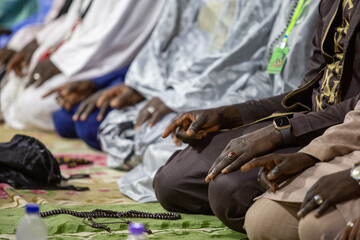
69,227
103,194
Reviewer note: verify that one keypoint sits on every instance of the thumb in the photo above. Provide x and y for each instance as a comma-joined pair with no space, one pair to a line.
196,125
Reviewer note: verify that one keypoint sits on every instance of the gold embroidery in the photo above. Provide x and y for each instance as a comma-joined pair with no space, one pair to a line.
347,2
329,89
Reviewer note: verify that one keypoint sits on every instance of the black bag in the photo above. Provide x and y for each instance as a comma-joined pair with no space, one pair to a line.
25,163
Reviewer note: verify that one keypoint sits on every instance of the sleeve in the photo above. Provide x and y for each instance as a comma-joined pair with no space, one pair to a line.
313,124
316,59
338,140
111,79
253,110
111,35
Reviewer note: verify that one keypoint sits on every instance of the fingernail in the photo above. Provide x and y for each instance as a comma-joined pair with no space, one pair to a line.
270,175
190,132
208,178
300,214
225,171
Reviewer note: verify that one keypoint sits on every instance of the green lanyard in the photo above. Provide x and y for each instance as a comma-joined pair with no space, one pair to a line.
299,9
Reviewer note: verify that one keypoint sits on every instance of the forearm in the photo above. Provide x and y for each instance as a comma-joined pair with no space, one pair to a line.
338,140
306,127
254,110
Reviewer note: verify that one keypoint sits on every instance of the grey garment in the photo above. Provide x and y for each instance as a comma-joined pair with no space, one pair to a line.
186,78
199,49
124,150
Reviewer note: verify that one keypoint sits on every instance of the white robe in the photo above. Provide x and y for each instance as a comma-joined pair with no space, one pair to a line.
198,58
28,33
111,34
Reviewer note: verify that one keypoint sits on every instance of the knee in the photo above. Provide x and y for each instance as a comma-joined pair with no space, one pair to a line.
255,225
268,219
87,131
64,124
230,200
164,185
311,227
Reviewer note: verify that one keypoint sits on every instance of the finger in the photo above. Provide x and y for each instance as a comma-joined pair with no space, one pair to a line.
119,102
344,233
13,62
355,231
142,117
174,125
89,109
264,181
177,141
196,125
257,162
277,172
60,101
223,155
156,117
224,161
235,165
79,111
106,96
310,195
211,129
323,208
72,87
18,71
200,135
185,138
310,206
68,105
51,92
103,110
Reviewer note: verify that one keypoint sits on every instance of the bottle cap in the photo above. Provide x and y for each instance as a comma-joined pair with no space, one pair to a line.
136,228
32,208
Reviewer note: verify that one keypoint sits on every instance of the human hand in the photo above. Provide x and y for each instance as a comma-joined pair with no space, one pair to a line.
241,150
22,59
89,105
72,93
350,232
328,191
191,127
42,72
120,96
5,55
154,111
276,168
5,31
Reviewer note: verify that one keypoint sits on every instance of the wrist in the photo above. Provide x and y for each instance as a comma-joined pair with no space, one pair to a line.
283,126
229,117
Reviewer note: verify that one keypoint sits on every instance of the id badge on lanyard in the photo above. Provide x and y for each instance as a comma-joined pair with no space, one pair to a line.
278,58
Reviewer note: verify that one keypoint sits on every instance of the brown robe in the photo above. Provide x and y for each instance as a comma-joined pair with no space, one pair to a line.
338,149
180,185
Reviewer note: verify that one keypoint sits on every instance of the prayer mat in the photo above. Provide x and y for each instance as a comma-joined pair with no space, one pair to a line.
69,227
103,194
102,181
